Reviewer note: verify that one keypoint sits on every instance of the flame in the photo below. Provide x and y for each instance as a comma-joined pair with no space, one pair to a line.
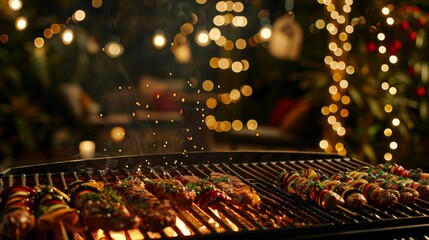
135,234
182,226
211,220
231,224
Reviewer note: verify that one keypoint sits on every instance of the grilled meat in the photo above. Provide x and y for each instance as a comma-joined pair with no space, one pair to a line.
241,193
99,210
207,194
52,209
17,216
156,214
172,190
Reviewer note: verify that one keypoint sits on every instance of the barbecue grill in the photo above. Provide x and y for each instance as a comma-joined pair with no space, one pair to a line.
281,216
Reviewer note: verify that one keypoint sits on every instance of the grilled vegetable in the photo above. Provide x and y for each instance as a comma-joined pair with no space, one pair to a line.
99,210
207,194
17,216
292,182
155,214
52,209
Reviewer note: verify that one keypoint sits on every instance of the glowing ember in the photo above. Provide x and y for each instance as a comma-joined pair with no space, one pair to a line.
135,234
154,235
118,235
170,232
182,226
99,235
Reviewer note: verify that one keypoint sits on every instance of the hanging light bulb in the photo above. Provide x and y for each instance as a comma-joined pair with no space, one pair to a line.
287,36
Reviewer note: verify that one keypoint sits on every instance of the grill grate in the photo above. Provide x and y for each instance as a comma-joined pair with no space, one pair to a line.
292,217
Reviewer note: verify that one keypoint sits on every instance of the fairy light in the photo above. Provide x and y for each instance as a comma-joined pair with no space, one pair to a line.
15,5
21,23
388,88
159,40
67,37
336,112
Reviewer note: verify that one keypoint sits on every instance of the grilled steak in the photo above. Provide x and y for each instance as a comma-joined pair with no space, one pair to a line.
241,193
99,210
172,190
156,214
207,194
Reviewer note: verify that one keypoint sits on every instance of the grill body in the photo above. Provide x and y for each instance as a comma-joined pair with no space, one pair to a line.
293,217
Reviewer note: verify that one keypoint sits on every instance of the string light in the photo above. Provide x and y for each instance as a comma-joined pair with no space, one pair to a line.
336,112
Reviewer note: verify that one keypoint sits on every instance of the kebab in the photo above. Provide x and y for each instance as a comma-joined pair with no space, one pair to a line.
99,210
17,217
172,190
292,182
155,214
241,193
207,194
398,176
53,212
352,196
407,195
371,191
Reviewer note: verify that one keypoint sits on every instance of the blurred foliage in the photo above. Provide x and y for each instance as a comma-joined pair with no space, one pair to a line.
407,39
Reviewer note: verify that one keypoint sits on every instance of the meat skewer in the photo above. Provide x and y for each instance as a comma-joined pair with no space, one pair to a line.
99,210
352,196
292,182
155,214
241,193
371,191
17,218
399,175
207,194
53,212
407,195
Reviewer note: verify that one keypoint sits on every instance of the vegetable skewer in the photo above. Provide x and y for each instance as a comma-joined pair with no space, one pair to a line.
352,196
292,182
407,195
17,218
371,191
53,212
398,174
